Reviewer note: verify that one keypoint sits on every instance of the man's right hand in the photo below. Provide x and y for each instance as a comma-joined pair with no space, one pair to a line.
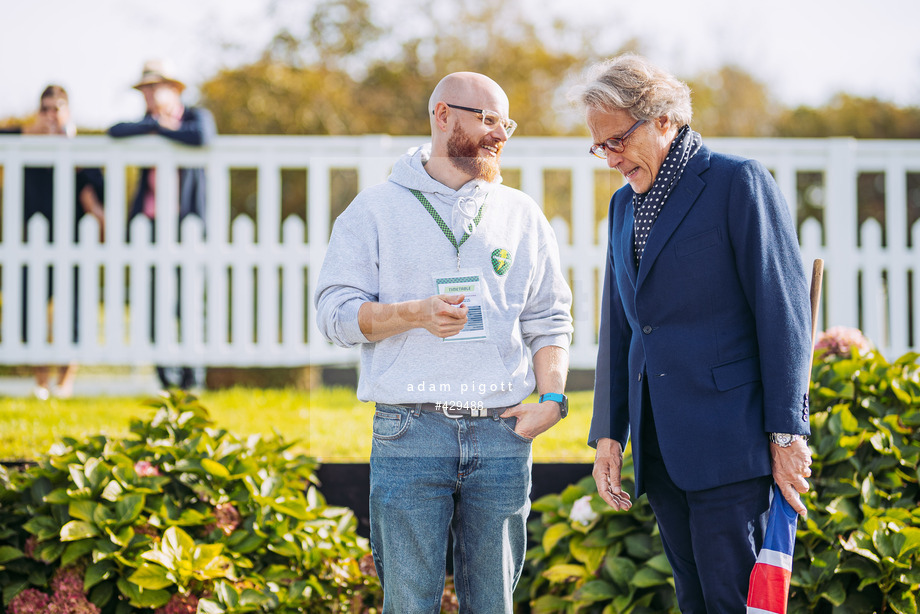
443,315
608,464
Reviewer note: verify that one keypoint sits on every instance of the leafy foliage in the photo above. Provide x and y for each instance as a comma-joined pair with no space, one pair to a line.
347,73
180,513
360,67
847,115
730,102
598,561
858,550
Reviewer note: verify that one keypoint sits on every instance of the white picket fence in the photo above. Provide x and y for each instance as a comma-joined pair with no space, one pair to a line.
248,301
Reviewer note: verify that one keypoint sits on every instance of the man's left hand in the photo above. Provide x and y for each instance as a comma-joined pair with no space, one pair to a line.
791,470
534,418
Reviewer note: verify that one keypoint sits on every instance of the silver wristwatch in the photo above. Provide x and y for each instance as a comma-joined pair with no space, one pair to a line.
784,440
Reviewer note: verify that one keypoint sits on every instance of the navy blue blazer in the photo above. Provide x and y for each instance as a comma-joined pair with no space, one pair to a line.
717,318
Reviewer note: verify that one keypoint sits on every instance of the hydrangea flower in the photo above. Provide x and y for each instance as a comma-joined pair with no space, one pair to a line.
67,583
227,516
582,512
71,605
179,604
29,601
146,469
67,598
840,341
366,565
29,547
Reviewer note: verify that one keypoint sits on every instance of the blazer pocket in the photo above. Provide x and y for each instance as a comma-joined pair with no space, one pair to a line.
699,242
736,373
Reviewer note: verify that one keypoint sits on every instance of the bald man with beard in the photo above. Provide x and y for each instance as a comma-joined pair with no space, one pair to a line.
450,284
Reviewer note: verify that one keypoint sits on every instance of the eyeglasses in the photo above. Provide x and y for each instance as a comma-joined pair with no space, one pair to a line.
53,108
614,145
490,119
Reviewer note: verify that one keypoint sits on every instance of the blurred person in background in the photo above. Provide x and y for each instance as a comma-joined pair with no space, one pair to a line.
167,116
54,118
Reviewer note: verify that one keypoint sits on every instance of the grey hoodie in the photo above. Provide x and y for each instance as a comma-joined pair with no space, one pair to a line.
386,247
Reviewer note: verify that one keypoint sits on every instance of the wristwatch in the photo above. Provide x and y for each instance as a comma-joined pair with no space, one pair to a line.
784,440
559,398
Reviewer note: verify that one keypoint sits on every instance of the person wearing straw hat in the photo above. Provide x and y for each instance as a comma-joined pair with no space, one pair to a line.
168,117
704,345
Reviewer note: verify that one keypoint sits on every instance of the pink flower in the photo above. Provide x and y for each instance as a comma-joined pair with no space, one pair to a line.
840,341
68,597
67,583
145,469
29,601
82,606
71,605
366,565
29,547
179,604
227,516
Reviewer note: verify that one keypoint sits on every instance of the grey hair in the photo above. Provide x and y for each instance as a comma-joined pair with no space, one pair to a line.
632,83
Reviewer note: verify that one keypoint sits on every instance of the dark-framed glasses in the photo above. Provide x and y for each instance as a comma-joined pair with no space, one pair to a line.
617,145
490,119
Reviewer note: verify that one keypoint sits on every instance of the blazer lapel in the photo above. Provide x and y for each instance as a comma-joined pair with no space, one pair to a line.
677,206
626,241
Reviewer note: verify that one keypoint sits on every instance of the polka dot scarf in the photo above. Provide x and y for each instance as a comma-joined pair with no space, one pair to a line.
647,206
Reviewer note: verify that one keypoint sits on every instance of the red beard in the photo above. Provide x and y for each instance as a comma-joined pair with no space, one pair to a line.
464,154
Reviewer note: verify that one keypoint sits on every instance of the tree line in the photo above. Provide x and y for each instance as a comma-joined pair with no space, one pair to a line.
348,67
342,72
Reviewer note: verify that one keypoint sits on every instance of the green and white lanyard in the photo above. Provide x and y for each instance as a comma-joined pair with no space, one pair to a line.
443,225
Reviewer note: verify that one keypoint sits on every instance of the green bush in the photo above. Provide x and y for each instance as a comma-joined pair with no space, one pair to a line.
590,558
857,552
859,549
177,516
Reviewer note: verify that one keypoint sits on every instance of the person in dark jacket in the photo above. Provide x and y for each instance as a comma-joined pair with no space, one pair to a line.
168,117
704,341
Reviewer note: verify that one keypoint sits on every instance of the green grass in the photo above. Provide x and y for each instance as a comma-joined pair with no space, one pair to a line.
328,423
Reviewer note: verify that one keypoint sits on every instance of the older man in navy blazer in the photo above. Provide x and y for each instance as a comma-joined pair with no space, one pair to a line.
705,335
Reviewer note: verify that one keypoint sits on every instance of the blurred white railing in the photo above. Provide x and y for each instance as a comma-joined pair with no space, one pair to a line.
247,301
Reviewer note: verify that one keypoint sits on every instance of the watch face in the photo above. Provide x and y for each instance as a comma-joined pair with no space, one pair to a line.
782,439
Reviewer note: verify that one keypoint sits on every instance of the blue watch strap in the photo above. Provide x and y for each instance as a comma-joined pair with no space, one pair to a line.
552,396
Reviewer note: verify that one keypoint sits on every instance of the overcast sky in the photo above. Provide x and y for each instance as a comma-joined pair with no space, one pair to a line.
804,50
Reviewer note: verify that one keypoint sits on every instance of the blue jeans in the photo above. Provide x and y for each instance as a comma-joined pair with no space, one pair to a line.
432,476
